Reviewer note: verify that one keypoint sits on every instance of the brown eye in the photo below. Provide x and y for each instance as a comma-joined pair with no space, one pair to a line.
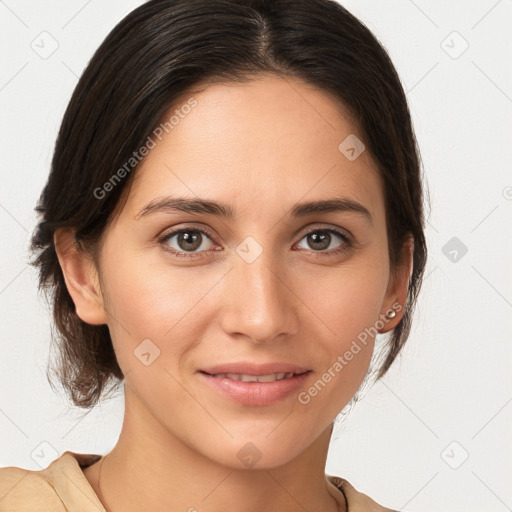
325,240
187,240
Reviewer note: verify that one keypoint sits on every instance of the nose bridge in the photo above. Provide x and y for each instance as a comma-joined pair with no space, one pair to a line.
260,304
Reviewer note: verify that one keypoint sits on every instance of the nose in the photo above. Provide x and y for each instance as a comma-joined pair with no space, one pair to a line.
259,301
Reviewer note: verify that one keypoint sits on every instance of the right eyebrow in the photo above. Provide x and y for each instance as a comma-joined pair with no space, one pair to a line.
187,205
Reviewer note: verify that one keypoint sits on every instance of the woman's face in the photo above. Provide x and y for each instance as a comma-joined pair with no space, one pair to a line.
254,288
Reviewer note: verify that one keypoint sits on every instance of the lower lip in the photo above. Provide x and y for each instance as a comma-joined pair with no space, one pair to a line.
255,393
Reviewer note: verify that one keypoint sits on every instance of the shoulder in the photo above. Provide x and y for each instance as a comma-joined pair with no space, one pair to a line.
61,487
356,501
20,488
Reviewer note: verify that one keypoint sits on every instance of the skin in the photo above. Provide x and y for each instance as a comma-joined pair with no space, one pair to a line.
260,147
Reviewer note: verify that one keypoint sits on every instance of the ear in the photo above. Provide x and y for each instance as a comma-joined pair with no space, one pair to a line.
81,277
396,293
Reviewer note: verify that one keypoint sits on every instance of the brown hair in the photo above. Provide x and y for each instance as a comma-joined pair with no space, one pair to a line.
153,56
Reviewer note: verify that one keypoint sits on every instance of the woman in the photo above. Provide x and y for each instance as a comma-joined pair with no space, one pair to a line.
234,212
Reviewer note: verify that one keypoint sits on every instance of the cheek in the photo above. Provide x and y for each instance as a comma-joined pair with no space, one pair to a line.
345,300
347,305
151,300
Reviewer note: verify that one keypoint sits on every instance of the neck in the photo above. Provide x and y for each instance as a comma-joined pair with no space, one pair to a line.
162,473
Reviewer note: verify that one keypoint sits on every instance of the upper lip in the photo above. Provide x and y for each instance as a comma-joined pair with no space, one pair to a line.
246,368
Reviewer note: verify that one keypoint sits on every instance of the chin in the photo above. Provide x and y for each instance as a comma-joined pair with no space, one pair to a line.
272,447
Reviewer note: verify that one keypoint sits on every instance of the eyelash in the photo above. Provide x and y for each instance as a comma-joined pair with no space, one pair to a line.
347,245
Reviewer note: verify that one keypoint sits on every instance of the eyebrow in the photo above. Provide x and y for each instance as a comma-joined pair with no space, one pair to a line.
218,209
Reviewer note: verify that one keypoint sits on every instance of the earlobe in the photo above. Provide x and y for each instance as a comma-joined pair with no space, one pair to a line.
396,294
81,277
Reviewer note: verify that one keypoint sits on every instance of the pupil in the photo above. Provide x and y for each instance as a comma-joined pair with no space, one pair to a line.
189,241
322,239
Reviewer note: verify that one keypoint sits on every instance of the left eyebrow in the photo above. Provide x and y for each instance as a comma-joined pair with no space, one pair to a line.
331,205
193,205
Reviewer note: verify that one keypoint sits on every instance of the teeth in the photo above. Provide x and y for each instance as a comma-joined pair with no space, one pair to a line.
254,378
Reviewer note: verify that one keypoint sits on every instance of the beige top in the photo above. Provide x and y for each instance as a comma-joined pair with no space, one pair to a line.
62,487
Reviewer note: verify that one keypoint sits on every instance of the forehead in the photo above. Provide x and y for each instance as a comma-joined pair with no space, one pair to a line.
270,140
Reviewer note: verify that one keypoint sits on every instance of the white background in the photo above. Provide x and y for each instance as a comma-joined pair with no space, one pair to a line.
450,395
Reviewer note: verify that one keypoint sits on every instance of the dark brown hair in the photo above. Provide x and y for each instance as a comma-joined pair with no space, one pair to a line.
155,55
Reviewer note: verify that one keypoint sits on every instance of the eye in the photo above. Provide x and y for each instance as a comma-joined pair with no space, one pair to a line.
197,242
187,240
324,240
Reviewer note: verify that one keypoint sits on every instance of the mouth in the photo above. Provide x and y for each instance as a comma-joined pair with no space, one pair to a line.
244,377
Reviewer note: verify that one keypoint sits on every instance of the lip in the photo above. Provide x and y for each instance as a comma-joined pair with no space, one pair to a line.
255,394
